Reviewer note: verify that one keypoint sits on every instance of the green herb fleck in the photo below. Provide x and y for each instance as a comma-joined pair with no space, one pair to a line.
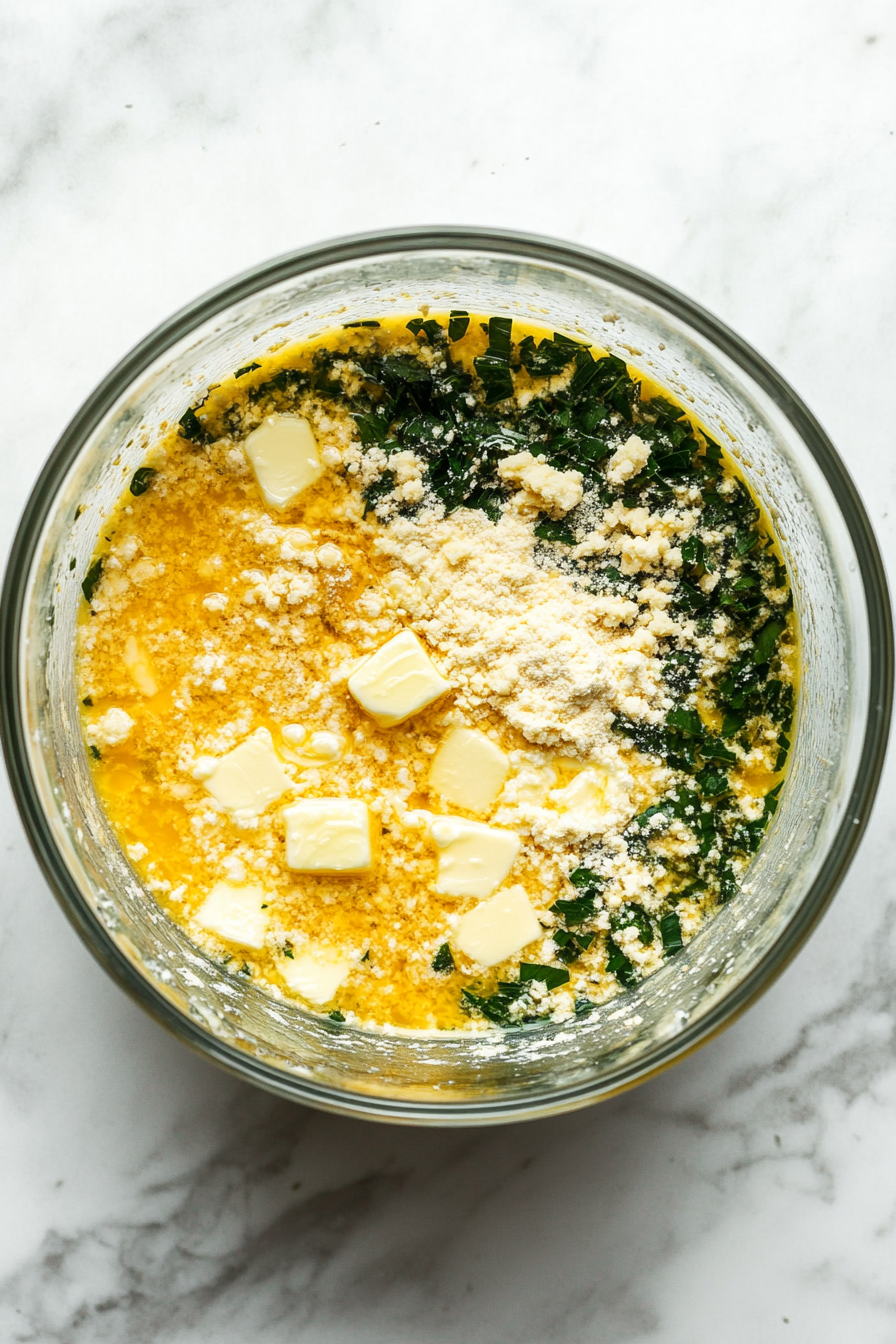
364,322
550,529
767,638
670,932
141,479
247,368
494,366
87,701
92,578
458,321
191,426
336,1016
443,960
430,329
632,915
619,965
552,977
95,752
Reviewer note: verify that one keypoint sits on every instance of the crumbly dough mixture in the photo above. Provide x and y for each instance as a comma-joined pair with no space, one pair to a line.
215,617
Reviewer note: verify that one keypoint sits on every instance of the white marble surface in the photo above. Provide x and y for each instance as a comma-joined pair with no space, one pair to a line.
744,153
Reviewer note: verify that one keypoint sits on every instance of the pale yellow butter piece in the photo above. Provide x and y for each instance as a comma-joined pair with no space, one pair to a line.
283,454
250,777
468,770
586,790
139,665
397,681
328,835
473,858
235,914
496,929
316,972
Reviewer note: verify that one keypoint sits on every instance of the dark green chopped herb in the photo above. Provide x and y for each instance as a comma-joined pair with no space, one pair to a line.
191,427
366,956
443,960
571,945
496,1007
373,427
632,915
766,640
95,752
458,321
494,366
363,322
552,977
549,529
430,329
771,799
583,1007
728,887
92,578
141,479
713,783
549,356
670,932
732,723
87,701
336,1016
377,489
587,880
695,552
72,563
686,721
288,952
619,965
575,911
711,749
247,368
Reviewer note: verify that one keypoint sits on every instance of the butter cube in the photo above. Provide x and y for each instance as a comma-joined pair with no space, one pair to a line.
397,681
584,791
283,455
468,770
473,858
494,930
316,972
235,914
328,835
248,778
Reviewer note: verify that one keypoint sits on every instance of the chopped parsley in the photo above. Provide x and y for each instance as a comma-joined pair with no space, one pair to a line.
141,479
92,578
458,321
443,960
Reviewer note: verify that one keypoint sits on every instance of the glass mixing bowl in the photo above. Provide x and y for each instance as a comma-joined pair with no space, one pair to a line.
839,592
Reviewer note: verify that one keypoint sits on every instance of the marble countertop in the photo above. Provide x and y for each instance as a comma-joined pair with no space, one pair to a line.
745,154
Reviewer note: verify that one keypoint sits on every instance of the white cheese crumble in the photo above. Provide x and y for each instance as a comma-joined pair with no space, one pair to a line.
110,729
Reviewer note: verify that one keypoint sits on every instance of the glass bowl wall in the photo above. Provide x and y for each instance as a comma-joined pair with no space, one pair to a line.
846,673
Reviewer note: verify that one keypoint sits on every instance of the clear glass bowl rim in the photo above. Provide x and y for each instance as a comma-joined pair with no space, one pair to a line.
523,247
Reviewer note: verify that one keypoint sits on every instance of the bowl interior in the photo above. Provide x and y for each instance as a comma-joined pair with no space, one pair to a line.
426,1077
